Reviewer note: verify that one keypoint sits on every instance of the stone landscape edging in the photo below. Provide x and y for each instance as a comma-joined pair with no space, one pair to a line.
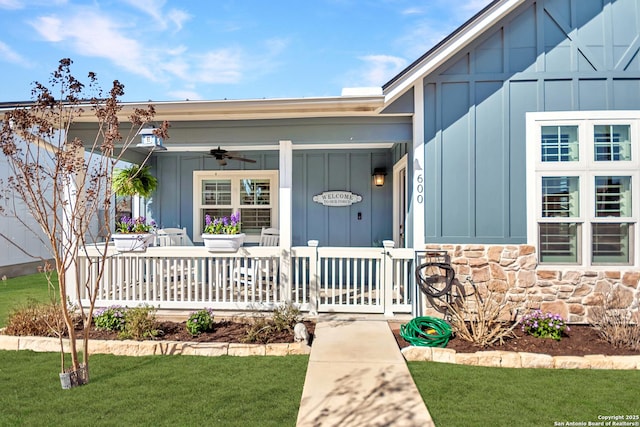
150,348
512,359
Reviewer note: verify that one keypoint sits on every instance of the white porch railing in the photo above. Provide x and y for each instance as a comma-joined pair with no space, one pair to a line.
316,279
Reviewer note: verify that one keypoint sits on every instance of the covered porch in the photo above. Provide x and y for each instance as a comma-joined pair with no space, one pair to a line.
299,150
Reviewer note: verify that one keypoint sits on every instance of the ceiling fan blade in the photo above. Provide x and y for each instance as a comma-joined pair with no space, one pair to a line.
242,159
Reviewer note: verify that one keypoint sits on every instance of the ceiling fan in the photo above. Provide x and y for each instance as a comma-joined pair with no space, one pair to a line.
222,155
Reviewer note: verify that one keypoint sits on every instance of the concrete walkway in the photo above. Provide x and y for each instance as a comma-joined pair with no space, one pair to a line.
358,377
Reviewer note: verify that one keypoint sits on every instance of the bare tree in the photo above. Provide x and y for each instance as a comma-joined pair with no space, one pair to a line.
65,183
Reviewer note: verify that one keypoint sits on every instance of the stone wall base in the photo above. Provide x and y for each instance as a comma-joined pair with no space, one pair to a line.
151,348
510,359
574,293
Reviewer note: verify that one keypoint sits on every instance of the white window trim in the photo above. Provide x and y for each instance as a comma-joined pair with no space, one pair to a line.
586,169
200,176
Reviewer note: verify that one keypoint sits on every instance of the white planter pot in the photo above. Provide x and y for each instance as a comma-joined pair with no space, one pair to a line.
223,242
132,242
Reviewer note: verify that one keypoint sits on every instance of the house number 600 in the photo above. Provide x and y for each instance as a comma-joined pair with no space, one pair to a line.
419,189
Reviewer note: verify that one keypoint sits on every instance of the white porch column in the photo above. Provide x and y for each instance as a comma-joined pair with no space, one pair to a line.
417,201
417,198
285,212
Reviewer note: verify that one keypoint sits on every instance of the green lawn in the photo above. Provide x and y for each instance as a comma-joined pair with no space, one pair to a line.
153,390
16,291
247,391
459,395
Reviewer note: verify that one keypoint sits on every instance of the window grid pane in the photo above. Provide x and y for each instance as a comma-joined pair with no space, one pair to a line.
216,192
560,144
560,197
610,243
255,192
559,242
253,219
613,196
612,143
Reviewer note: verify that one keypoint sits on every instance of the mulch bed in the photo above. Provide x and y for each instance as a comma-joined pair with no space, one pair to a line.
580,341
224,331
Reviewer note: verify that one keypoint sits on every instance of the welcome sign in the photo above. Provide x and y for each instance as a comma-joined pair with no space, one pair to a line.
337,198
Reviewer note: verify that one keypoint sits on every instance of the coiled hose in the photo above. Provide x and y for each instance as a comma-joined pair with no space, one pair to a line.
426,331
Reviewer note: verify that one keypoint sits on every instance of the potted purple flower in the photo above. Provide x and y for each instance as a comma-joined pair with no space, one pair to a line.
222,234
133,234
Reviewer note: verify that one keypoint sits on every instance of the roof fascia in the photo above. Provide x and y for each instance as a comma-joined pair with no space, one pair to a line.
448,47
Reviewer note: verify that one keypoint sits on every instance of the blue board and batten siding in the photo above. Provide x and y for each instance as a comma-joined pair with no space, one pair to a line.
553,55
317,171
314,171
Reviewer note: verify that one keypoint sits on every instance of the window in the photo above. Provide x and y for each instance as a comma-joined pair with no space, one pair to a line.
583,179
559,143
252,193
611,143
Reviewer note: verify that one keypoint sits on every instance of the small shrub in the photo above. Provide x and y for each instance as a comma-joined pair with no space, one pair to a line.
259,331
140,323
544,325
110,318
616,325
200,321
483,321
285,317
36,319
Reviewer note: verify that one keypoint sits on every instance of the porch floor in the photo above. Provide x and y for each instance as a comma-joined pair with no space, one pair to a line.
357,376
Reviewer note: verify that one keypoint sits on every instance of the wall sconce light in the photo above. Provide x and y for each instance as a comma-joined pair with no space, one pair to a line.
150,141
378,176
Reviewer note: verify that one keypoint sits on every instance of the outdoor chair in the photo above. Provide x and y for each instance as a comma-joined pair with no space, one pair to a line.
269,237
261,271
173,237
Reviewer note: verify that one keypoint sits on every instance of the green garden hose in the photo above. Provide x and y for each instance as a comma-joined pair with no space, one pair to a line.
426,331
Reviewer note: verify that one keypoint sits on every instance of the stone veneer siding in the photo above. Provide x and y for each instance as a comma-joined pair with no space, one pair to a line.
568,291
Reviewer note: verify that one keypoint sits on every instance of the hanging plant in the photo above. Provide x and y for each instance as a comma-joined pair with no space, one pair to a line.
134,180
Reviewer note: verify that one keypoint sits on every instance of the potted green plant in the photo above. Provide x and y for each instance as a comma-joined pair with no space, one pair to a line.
133,234
134,181
223,234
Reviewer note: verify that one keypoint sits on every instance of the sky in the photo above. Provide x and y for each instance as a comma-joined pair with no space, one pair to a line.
167,50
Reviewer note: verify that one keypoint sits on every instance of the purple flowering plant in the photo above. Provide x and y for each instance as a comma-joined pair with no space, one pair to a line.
110,318
224,225
200,321
544,325
126,225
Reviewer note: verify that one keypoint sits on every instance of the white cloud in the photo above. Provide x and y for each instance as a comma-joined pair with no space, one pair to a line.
21,4
275,46
178,18
412,11
473,6
154,9
437,22
218,66
94,35
9,55
135,48
185,95
378,69
11,4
